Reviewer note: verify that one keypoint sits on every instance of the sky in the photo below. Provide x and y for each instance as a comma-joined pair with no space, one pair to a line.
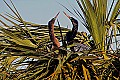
41,11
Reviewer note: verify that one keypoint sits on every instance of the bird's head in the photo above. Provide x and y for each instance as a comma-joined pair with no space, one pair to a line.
73,20
52,21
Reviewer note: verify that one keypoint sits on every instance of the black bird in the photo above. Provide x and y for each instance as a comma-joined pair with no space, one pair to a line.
71,34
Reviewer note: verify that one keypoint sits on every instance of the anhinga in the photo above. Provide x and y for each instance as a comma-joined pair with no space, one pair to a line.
55,41
70,35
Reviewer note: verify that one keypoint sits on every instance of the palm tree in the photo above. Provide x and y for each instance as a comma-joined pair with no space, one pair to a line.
25,47
98,20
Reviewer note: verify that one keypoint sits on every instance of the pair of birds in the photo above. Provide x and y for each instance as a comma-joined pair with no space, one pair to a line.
70,35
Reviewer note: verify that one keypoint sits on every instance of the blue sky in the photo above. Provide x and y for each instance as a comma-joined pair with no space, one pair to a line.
41,11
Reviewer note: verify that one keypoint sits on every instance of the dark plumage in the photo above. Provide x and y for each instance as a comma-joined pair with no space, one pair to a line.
72,34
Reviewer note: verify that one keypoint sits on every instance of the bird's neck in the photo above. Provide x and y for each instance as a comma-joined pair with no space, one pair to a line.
75,29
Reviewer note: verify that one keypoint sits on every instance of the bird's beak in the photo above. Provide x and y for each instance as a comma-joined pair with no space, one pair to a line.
66,15
56,15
